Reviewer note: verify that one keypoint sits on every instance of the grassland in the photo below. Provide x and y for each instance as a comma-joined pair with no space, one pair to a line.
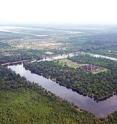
69,63
100,70
75,65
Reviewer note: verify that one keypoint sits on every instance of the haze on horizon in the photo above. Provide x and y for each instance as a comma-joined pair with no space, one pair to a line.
58,11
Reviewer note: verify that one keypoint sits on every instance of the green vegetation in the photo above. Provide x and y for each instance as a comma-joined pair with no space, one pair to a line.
106,63
99,86
24,103
69,63
17,55
27,106
94,69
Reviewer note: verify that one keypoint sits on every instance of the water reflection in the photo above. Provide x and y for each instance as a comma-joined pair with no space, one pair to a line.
100,109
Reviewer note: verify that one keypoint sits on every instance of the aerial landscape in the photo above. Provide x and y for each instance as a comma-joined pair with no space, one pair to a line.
78,76
57,68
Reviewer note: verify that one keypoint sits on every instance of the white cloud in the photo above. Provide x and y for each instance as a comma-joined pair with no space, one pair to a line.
59,11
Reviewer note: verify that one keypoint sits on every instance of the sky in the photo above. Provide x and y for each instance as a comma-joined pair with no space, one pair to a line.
58,11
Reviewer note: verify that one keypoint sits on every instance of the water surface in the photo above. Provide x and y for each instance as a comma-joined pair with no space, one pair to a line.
100,109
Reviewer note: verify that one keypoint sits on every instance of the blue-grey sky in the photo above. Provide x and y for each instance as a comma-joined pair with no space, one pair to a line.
59,11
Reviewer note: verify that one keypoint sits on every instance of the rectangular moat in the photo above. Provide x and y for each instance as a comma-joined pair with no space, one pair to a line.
100,109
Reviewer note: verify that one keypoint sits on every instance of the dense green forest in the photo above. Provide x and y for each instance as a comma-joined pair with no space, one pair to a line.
96,61
17,55
99,86
22,102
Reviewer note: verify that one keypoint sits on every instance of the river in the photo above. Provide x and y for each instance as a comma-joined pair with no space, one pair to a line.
99,109
62,56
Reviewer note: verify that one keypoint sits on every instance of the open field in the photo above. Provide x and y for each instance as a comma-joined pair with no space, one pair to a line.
99,70
37,44
86,67
69,63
